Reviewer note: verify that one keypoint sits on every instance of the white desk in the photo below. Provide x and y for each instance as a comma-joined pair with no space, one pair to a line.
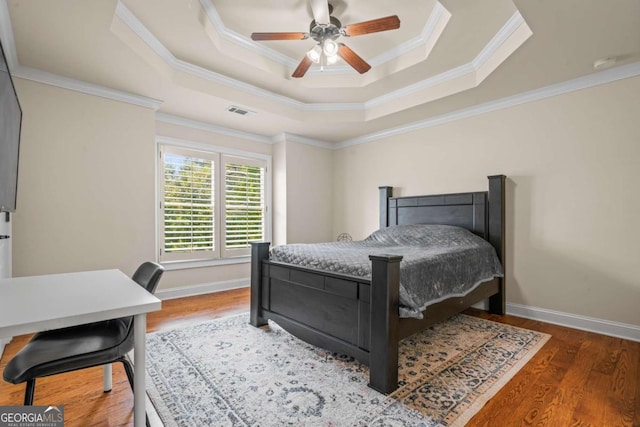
39,303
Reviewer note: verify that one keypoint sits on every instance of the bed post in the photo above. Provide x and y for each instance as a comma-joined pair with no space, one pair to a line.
385,194
259,252
497,302
383,346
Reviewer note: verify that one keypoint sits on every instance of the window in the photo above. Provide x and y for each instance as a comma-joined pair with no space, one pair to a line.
244,204
212,204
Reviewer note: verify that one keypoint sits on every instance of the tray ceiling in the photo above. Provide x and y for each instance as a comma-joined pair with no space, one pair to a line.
197,58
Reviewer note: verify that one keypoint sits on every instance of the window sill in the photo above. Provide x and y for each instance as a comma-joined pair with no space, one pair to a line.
183,265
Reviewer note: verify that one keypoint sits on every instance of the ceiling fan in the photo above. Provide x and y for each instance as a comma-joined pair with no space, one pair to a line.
325,30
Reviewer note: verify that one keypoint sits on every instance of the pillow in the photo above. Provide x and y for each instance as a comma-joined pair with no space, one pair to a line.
423,234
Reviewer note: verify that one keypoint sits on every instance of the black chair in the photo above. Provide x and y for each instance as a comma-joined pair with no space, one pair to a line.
79,347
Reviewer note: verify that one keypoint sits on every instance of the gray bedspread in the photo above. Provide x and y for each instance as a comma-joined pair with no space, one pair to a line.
439,261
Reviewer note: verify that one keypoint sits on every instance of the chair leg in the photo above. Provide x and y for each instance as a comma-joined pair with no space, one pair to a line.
107,377
128,369
29,392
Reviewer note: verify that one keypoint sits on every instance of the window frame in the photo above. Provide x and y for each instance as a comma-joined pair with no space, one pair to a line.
219,256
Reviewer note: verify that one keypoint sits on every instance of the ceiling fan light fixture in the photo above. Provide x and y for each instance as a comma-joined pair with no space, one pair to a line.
315,54
332,59
330,47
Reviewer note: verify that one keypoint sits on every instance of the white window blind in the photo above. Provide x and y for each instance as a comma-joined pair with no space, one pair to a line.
244,204
212,205
189,205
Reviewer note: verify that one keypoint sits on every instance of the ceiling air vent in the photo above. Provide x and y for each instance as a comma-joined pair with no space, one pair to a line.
240,111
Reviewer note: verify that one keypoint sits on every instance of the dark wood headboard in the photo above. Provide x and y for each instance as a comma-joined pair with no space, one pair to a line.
482,212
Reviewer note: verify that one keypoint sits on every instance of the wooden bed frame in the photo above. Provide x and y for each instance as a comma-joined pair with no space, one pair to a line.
359,317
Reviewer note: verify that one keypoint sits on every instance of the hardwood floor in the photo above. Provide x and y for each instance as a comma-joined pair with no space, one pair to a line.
577,379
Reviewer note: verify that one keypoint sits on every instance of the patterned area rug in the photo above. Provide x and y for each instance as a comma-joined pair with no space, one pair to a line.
228,373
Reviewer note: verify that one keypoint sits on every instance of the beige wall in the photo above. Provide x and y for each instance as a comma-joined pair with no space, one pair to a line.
309,198
279,212
87,186
87,192
86,180
572,163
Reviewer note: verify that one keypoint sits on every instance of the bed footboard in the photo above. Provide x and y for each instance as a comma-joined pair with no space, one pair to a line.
385,321
259,253
344,314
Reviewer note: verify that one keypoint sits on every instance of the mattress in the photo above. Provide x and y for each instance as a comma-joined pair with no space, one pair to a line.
439,261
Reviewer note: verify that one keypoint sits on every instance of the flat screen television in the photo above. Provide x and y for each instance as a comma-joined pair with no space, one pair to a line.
10,124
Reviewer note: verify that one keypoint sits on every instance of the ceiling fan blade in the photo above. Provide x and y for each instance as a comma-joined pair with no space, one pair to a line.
373,26
352,58
303,66
320,10
278,36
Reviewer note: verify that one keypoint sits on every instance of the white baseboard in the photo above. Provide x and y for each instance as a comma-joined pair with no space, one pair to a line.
590,324
4,342
205,288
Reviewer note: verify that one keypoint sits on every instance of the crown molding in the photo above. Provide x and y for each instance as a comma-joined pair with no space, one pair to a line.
235,84
243,41
304,140
209,127
33,74
165,54
494,44
328,106
585,82
438,79
51,79
134,24
591,80
497,41
139,29
250,136
145,35
500,38
439,12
